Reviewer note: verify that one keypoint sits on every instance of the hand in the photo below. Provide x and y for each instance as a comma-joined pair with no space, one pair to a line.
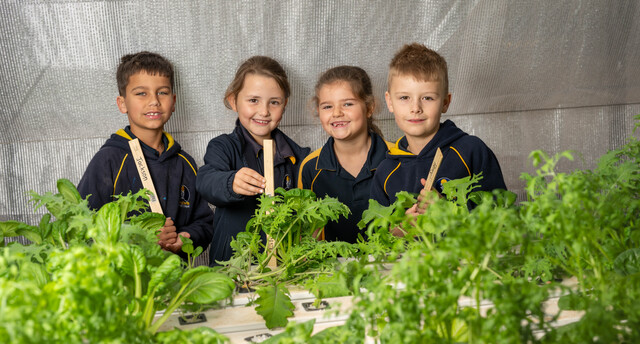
177,246
423,202
398,232
167,235
248,182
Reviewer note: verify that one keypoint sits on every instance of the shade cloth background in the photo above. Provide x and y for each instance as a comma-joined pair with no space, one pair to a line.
525,75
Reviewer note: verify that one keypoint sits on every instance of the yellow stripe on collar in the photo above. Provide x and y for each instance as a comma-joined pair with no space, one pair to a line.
396,150
124,134
170,139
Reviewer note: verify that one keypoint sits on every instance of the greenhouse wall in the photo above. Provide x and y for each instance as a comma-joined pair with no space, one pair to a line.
524,75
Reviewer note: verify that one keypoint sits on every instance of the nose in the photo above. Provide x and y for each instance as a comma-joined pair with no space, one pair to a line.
155,100
264,110
337,112
416,106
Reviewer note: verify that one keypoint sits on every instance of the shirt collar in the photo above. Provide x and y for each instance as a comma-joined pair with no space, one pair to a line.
283,149
146,148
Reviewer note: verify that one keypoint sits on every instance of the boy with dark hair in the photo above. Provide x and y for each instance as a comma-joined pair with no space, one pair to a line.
417,95
145,85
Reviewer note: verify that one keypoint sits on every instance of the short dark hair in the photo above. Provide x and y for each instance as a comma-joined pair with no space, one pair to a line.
152,63
420,62
260,65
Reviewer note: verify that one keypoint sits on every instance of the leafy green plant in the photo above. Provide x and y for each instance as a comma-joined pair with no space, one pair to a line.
96,276
483,275
290,219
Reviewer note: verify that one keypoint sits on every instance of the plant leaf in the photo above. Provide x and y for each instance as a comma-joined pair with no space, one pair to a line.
628,262
274,305
166,273
68,191
208,287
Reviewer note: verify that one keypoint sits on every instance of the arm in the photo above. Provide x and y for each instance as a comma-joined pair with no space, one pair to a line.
198,228
215,181
97,181
377,189
486,162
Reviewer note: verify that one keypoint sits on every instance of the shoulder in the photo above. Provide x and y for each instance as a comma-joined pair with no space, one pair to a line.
387,166
225,142
309,162
299,151
469,143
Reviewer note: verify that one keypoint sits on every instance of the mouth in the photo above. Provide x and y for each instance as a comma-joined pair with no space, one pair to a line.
153,115
416,120
339,124
260,121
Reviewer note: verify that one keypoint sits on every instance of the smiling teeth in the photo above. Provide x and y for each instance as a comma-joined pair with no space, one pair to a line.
261,121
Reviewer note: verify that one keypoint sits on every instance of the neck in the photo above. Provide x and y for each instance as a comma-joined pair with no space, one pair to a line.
152,139
417,144
350,147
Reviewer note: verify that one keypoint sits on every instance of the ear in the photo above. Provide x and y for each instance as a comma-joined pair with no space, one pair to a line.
173,107
231,99
446,102
122,106
286,100
387,98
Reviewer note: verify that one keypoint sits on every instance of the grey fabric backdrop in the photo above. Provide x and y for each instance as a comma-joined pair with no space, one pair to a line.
525,75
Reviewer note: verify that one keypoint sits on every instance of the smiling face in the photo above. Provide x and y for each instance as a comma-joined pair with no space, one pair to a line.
417,106
260,105
342,114
148,102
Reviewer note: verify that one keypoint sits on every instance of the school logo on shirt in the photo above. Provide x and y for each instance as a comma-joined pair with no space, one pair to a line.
185,196
287,182
440,182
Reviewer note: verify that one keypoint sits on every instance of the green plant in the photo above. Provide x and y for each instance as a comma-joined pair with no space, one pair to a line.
289,218
95,276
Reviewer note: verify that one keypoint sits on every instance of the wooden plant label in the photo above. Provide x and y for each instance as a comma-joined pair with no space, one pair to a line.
435,166
269,189
145,176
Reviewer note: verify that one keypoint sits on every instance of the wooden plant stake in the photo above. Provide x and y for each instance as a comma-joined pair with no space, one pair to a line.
268,150
435,166
145,176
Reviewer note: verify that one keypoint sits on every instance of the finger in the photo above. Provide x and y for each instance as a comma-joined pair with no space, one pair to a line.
246,189
252,177
423,181
168,222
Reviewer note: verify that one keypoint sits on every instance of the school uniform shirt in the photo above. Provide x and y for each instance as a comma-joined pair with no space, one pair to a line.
112,171
225,155
321,173
463,155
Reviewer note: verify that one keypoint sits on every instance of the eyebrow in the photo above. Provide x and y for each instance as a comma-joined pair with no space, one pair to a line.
144,88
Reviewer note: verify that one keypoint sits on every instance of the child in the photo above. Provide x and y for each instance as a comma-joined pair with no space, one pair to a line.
145,84
344,166
417,95
232,175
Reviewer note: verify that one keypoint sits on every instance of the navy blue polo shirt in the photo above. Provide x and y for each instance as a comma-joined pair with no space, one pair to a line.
321,173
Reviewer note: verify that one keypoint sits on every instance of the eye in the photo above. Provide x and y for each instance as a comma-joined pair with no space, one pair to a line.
275,102
403,97
348,104
141,94
253,100
326,107
163,93
428,98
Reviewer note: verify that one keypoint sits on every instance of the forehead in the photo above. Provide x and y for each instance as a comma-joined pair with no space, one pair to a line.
339,88
409,83
257,83
146,79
